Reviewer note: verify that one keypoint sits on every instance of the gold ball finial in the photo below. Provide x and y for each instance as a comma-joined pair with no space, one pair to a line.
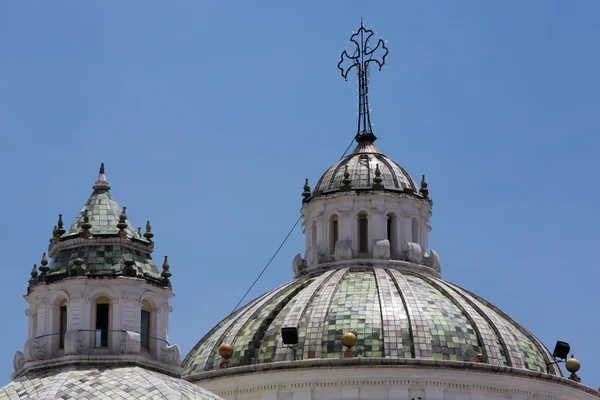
225,350
349,339
572,365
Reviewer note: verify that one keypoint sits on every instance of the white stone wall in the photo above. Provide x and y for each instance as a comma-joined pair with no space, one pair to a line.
126,296
404,209
401,383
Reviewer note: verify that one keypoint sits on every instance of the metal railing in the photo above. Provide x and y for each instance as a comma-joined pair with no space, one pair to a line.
101,336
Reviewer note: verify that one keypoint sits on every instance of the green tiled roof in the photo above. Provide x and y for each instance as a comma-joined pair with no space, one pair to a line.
106,383
394,314
103,212
104,258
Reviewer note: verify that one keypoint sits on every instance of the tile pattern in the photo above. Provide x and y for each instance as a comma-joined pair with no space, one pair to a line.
532,356
243,333
361,167
452,335
421,335
394,314
502,326
312,333
104,213
397,339
354,308
201,357
494,350
103,258
86,383
293,318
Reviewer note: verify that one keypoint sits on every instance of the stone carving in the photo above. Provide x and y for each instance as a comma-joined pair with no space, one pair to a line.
381,249
170,354
298,264
128,343
18,361
414,253
75,342
312,255
433,260
35,349
343,250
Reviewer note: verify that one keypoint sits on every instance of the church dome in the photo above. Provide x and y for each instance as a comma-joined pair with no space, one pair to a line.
92,382
366,169
394,314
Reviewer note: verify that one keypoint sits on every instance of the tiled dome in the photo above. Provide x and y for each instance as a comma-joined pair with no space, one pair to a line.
394,314
362,169
106,383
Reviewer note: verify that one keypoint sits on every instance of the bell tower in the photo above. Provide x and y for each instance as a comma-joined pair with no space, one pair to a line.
101,299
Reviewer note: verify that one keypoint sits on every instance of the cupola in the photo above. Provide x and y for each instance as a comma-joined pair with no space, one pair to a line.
101,299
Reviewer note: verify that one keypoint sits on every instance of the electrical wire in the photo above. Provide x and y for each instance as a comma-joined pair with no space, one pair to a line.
279,248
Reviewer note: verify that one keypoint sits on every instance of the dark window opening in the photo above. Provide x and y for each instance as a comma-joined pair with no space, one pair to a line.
102,325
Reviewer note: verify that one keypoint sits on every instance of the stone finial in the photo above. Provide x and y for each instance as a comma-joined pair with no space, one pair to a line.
306,193
60,230
86,226
572,365
349,340
424,191
129,266
346,181
77,269
54,233
148,235
34,273
377,180
101,183
122,225
166,274
139,231
44,264
225,351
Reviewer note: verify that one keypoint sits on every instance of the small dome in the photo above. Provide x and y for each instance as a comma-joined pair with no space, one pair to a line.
361,166
87,383
394,314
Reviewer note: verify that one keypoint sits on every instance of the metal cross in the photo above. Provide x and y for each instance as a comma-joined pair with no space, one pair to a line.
360,59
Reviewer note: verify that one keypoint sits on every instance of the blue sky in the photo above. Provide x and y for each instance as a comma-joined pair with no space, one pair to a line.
209,115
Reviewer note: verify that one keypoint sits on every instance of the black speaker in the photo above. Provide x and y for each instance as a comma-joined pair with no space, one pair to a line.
289,335
561,350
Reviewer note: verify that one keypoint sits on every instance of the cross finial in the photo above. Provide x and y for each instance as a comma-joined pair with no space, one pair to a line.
360,58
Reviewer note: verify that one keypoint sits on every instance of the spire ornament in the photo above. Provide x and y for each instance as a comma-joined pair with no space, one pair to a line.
148,235
59,226
424,191
44,265
86,226
166,274
363,55
346,181
122,225
306,193
377,180
101,183
34,274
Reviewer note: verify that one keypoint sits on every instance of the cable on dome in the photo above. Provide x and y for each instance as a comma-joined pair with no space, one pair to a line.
279,248
267,266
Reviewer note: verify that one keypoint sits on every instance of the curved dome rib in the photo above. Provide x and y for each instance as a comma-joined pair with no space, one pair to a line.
394,314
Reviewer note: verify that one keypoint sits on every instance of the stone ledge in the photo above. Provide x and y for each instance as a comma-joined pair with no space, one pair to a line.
99,360
386,363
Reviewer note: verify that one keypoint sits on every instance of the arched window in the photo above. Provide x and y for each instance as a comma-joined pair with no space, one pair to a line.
102,321
313,233
145,325
363,233
62,323
334,234
415,231
391,232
